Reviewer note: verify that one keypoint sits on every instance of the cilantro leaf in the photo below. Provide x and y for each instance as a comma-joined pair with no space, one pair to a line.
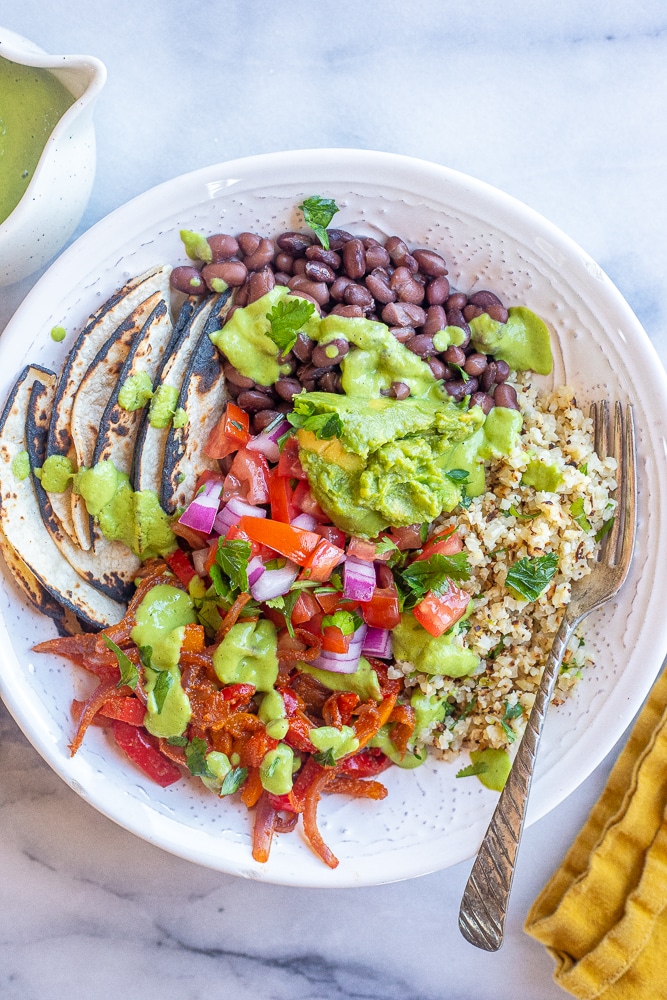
604,530
326,758
511,712
528,578
435,573
233,780
129,674
195,758
346,621
458,475
318,213
577,514
514,511
232,558
323,425
286,319
163,683
472,769
385,545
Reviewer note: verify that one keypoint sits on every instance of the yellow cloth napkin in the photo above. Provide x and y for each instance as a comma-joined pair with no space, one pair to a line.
603,915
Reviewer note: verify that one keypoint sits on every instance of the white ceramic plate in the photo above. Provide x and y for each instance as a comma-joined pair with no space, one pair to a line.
429,820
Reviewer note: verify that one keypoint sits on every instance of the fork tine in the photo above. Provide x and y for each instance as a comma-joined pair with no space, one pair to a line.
611,544
629,489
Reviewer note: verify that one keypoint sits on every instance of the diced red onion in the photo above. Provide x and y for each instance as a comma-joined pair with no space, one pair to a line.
255,569
339,663
306,521
377,643
274,582
232,512
358,579
201,512
267,441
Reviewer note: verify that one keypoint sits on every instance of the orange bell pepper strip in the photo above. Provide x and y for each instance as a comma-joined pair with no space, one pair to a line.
296,544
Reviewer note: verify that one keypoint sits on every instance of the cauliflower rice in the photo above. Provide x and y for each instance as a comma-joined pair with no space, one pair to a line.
511,521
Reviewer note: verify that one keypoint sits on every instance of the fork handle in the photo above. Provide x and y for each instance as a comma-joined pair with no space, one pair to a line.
485,899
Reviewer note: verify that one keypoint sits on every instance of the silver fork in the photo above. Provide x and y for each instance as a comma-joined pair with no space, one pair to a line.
486,896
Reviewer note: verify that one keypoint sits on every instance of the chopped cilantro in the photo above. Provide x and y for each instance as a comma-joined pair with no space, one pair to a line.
233,780
129,674
577,514
514,511
472,769
286,319
385,545
163,683
346,621
458,475
326,758
511,712
318,213
323,425
604,530
528,578
232,560
423,532
195,758
433,574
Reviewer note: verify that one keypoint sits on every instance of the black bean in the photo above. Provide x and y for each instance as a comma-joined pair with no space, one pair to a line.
457,388
422,345
437,291
403,314
295,244
352,312
475,364
483,400
329,382
248,242
400,390
378,285
299,265
454,356
328,355
261,256
484,299
402,333
354,258
358,295
456,300
253,400
303,347
505,395
471,312
317,271
396,249
437,367
260,283
499,313
376,256
263,418
430,263
230,272
330,257
233,376
188,279
282,278
284,262
436,319
405,286
319,291
488,376
287,387
502,371
223,247
338,238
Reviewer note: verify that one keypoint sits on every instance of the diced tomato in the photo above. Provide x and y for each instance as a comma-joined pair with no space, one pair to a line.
361,548
296,544
304,501
407,538
229,434
333,640
382,609
331,602
445,543
305,608
365,764
323,561
314,624
437,614
236,533
128,710
181,565
288,463
280,497
140,748
332,534
248,478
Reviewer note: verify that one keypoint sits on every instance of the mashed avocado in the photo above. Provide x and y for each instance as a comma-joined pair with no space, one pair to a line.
134,518
386,465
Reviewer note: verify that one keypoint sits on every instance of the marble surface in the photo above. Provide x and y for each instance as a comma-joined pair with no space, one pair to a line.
562,106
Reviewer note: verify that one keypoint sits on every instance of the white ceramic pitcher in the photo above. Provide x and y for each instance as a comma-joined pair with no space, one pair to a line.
56,197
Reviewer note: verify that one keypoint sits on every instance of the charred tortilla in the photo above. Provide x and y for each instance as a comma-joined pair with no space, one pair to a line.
23,534
111,570
203,397
99,328
151,440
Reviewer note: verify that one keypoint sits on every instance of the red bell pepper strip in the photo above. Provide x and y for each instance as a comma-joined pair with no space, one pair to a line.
437,614
128,710
280,497
140,748
296,544
365,763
